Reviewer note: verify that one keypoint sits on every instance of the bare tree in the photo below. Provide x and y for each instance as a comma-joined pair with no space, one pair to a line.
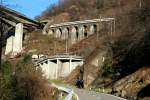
1,35
2,30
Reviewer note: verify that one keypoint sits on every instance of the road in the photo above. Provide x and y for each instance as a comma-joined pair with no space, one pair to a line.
91,95
84,94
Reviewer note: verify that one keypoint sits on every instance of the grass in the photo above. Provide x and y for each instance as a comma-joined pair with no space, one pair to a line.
44,44
55,81
74,97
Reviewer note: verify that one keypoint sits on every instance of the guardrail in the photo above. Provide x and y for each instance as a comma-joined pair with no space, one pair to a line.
67,90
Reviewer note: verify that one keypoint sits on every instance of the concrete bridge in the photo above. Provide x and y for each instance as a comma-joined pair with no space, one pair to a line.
59,66
78,30
14,25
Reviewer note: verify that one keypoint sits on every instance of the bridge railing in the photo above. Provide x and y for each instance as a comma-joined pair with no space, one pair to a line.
69,92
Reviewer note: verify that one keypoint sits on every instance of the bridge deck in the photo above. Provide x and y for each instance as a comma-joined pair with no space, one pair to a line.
82,22
61,57
13,17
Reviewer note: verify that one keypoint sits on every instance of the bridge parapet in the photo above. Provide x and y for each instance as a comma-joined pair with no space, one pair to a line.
85,22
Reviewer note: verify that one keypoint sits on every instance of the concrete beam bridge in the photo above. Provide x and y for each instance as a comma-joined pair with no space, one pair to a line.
59,66
14,25
78,30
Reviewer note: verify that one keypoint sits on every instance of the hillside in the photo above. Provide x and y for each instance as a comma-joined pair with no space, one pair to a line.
126,53
36,43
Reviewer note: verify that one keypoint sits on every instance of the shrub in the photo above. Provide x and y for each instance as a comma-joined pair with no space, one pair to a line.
108,69
28,82
5,81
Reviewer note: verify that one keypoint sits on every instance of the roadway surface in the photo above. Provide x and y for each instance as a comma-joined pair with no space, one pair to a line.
84,94
91,95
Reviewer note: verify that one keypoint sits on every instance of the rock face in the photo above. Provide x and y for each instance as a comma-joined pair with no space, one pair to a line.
94,65
131,85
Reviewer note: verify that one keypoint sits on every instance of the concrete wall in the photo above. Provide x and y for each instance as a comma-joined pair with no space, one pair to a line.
52,70
65,69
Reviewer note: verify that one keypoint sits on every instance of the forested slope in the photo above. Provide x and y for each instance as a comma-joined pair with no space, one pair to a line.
128,49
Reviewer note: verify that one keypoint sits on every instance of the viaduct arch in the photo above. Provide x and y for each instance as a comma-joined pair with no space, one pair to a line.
78,30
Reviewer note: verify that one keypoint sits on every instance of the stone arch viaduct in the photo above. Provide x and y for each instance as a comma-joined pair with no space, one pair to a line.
78,30
18,24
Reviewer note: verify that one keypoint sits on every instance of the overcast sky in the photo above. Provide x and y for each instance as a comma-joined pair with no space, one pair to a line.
30,8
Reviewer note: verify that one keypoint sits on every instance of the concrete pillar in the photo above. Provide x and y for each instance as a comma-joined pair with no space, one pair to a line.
92,30
58,33
100,26
52,68
64,34
48,69
50,32
18,39
45,69
81,33
57,69
73,35
9,45
46,27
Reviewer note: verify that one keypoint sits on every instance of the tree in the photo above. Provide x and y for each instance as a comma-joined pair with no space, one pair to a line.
3,30
100,4
1,36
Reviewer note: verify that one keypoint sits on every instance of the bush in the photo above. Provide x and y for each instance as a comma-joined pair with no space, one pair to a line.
5,81
108,69
26,82
27,59
6,69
